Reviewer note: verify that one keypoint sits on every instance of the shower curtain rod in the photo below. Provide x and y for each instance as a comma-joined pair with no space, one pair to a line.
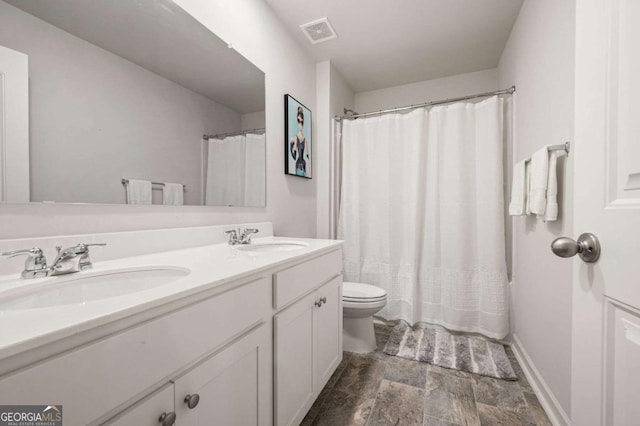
224,135
508,91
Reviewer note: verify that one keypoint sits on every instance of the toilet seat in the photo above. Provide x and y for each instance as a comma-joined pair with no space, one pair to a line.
362,293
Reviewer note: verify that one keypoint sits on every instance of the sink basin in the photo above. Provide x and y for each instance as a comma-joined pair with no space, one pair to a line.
80,288
273,246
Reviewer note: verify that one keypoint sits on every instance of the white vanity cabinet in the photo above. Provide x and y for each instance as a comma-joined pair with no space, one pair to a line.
99,379
233,387
307,334
149,411
251,352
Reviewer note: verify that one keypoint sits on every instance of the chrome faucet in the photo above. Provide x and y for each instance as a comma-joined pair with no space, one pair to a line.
72,259
238,236
36,264
69,260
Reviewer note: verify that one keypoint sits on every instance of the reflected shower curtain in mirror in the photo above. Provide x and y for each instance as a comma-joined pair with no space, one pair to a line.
422,214
235,171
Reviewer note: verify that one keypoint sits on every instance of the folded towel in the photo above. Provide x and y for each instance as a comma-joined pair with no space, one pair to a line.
139,192
173,194
518,190
539,179
551,212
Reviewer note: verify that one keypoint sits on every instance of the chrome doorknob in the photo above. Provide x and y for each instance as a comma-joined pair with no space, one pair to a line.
587,247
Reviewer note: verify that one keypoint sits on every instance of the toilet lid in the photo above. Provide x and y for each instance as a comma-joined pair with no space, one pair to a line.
359,292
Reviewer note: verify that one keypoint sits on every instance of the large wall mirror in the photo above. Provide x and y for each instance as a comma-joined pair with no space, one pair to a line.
101,100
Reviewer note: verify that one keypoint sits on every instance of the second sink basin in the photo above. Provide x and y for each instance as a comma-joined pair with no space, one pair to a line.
79,289
273,246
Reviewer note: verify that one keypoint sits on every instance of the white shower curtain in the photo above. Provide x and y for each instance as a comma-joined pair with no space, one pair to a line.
225,171
235,171
254,174
422,214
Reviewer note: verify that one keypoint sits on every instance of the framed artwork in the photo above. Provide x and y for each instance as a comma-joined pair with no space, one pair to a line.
298,144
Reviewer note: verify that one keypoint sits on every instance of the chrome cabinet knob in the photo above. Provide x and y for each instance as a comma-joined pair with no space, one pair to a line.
192,400
167,419
587,247
323,300
318,303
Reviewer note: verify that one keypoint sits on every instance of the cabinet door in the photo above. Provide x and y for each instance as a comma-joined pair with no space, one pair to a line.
295,363
329,330
233,386
148,411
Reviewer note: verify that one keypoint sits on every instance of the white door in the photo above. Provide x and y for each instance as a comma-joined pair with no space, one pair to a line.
295,361
606,296
329,329
147,412
230,388
14,126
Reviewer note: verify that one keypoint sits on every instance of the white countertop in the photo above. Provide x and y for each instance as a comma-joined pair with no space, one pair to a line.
211,267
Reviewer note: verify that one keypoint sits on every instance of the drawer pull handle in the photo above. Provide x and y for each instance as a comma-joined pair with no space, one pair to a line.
318,303
192,400
167,419
323,300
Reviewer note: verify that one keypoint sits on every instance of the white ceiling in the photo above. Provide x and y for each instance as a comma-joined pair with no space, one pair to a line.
161,37
384,43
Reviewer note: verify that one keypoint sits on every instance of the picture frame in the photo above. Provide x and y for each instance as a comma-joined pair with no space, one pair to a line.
298,144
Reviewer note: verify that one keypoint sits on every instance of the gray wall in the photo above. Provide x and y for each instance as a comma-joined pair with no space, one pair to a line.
539,60
96,118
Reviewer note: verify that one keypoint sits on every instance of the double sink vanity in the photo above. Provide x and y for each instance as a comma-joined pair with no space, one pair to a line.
184,333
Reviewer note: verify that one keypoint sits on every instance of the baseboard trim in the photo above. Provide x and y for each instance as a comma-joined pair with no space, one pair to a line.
551,406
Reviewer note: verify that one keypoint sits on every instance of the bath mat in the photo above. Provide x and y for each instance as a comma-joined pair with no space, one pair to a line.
438,347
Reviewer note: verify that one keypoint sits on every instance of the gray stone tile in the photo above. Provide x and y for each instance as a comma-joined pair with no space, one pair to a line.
346,356
413,373
316,407
494,416
499,393
397,404
344,409
362,376
522,379
432,421
450,398
536,410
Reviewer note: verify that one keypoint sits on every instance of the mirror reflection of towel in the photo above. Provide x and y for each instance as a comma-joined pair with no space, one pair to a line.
173,194
139,192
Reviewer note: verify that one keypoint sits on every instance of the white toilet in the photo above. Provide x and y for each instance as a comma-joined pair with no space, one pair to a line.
360,302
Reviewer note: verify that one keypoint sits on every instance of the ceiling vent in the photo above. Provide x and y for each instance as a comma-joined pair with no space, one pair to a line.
318,31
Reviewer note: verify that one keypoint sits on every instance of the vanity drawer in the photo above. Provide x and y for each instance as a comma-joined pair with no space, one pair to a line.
290,284
94,380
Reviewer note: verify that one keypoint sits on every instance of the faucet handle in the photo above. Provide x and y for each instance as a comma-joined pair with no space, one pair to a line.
34,265
84,246
245,237
233,236
35,252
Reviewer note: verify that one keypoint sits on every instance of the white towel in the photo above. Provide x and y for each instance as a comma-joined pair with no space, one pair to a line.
551,212
539,179
518,190
173,194
139,192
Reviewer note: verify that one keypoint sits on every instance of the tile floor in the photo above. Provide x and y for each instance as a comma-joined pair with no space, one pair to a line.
376,389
